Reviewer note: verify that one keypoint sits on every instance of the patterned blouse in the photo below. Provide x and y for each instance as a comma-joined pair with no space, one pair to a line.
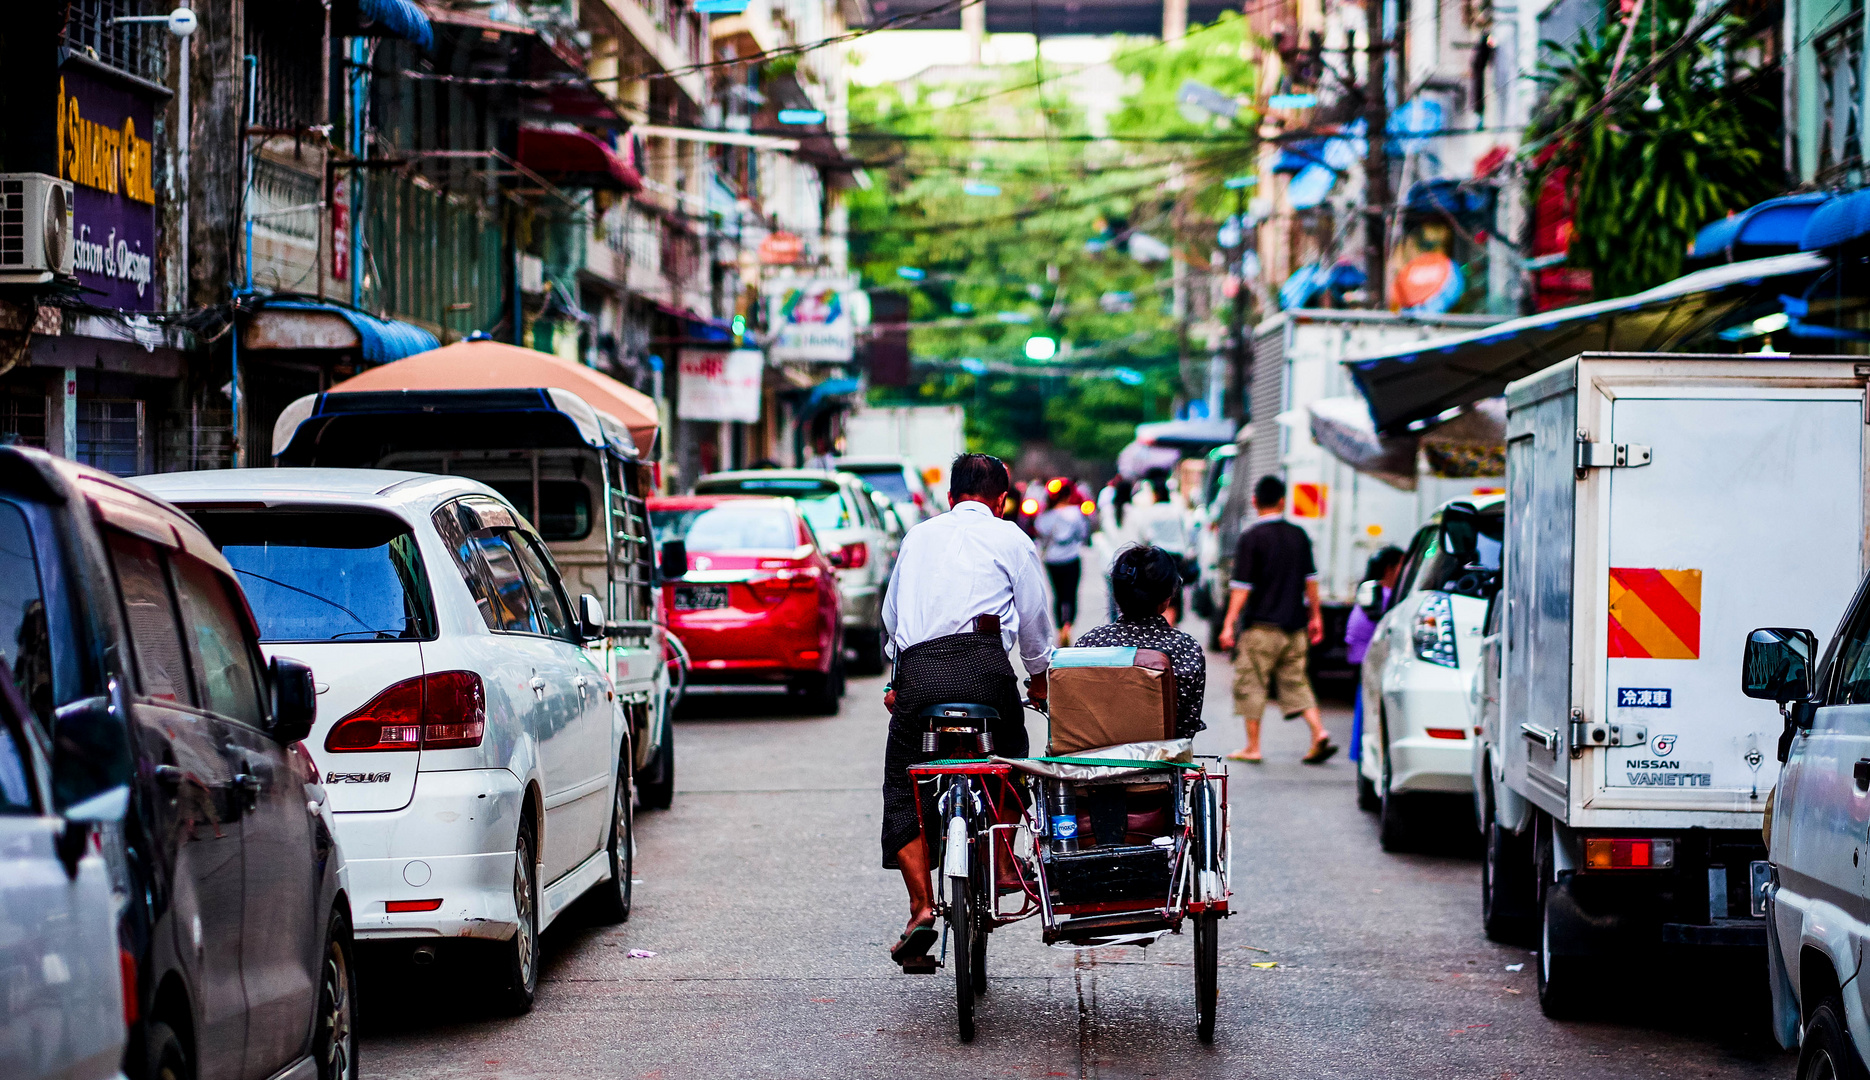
1186,659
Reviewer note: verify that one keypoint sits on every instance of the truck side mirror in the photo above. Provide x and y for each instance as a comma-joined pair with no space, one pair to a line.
295,700
673,562
591,617
1777,665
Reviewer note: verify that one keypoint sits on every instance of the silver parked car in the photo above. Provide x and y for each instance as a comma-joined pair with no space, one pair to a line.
59,968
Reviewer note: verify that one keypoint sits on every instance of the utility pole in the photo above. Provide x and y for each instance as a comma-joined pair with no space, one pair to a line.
1376,157
1242,360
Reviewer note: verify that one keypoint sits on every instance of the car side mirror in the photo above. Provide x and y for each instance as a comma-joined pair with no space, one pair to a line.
91,761
295,700
673,562
835,557
591,621
1777,665
1367,593
1460,533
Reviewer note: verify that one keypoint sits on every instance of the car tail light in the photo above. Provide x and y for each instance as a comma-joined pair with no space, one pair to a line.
854,556
1029,507
443,711
394,906
772,588
921,503
126,968
1087,507
1434,631
1446,733
1619,853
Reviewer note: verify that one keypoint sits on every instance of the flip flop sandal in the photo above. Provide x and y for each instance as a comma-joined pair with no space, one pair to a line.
913,945
1321,753
1239,756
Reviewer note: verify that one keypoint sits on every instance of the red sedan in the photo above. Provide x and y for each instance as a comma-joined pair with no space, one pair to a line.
759,606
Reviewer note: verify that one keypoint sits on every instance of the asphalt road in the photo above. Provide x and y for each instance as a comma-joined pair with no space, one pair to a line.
767,915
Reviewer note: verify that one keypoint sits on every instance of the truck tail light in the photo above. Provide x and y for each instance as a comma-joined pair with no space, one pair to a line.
1446,733
1434,631
393,906
1621,853
126,970
443,711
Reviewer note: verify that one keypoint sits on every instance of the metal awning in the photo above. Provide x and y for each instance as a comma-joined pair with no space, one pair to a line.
571,158
308,324
1409,386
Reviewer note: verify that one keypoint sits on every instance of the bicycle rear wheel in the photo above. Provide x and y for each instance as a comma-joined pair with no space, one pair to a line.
1207,973
961,926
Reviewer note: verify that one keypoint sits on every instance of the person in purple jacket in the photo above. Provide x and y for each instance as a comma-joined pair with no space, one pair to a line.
1384,568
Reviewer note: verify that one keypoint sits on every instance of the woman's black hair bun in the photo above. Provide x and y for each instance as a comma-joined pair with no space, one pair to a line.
1142,578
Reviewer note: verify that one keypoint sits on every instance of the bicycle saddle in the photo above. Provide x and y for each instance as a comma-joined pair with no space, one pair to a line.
959,711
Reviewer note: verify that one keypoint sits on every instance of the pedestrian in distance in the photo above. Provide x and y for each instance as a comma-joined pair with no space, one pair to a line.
1275,590
1383,568
967,588
1063,530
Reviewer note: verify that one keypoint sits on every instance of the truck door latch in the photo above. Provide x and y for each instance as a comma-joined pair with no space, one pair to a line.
1586,733
1597,455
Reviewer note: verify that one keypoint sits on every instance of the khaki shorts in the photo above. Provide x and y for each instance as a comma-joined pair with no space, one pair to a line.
1270,656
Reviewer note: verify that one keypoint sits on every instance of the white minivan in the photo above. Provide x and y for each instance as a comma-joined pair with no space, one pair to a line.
473,749
1417,738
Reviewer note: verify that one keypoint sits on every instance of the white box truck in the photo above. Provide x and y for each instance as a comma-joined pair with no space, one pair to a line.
1622,775
930,436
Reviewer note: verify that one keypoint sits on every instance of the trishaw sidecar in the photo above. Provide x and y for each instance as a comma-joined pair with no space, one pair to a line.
1118,835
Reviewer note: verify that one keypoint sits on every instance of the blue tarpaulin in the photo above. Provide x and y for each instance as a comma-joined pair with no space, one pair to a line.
1778,223
1839,221
401,18
381,340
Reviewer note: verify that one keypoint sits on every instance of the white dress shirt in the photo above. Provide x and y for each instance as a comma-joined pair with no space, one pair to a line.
966,563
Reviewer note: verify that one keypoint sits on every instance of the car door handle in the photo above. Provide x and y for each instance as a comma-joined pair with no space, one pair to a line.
169,776
1861,773
249,786
583,684
537,683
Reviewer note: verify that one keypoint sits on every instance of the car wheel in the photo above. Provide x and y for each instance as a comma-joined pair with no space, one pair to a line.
1392,806
1825,1052
168,1059
656,789
1506,887
334,1043
823,693
867,651
612,899
519,975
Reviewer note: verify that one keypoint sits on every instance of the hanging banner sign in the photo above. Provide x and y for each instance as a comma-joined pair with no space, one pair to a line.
102,141
812,321
719,385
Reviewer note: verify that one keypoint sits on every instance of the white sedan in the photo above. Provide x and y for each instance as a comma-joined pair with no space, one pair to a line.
1417,738
471,747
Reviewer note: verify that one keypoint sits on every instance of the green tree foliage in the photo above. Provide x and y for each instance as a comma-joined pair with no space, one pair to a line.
1047,254
1642,182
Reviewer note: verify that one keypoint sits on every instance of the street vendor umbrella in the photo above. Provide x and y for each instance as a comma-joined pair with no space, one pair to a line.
493,365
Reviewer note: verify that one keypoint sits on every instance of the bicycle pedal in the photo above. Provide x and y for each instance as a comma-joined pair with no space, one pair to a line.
927,965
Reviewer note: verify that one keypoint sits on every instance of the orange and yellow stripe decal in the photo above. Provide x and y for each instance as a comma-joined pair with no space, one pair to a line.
1655,614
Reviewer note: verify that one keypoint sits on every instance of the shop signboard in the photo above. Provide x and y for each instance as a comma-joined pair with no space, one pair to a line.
103,144
812,320
720,384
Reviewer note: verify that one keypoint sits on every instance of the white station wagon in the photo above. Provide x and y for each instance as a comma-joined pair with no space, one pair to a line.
473,749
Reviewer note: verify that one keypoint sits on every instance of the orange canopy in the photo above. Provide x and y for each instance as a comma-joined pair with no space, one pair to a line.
491,365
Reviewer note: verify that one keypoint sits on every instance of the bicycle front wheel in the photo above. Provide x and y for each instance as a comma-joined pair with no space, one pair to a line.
961,928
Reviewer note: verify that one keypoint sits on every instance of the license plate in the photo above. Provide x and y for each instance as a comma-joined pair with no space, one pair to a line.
700,597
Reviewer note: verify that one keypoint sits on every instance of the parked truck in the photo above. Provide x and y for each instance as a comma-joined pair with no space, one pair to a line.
1298,360
928,435
1659,507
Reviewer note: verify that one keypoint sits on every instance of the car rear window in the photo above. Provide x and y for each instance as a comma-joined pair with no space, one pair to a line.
889,480
821,501
326,575
727,528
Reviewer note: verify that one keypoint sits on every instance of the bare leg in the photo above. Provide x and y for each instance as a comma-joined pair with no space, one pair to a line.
1315,721
1253,736
914,861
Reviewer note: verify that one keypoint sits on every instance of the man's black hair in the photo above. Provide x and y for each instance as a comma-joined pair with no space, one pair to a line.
980,475
1141,578
1268,492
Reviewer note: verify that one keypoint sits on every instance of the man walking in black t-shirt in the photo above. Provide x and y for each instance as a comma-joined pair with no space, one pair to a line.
1275,587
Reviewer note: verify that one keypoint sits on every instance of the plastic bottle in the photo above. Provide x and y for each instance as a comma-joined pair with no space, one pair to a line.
1064,811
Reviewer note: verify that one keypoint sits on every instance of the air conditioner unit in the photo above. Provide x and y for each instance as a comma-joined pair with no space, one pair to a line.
35,228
